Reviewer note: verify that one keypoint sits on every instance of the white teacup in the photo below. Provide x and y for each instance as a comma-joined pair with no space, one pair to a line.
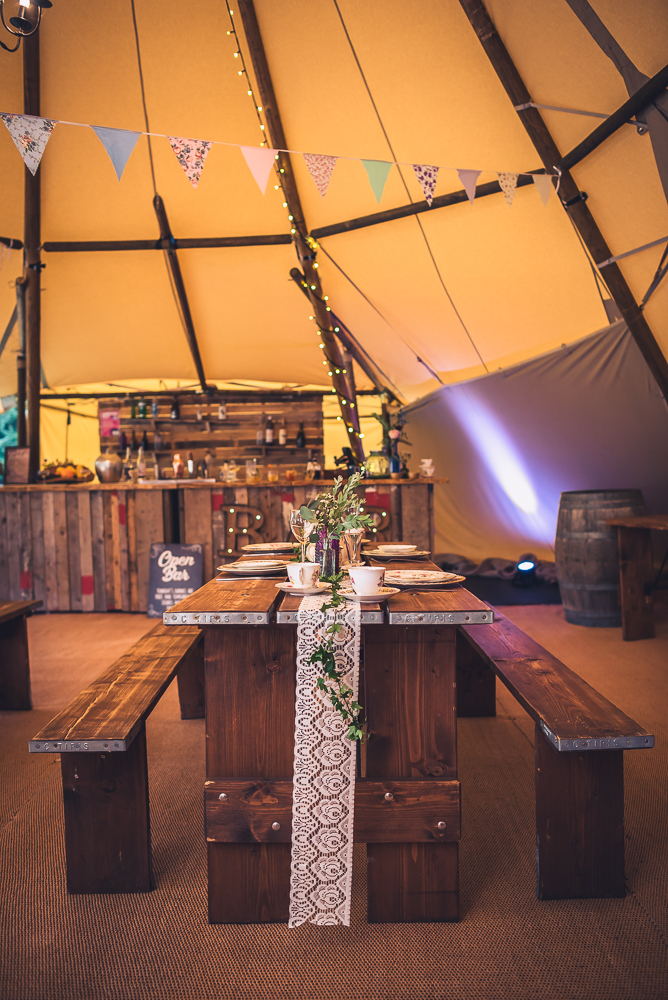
304,575
367,579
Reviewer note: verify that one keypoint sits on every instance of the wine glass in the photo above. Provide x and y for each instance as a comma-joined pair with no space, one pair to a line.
301,529
353,543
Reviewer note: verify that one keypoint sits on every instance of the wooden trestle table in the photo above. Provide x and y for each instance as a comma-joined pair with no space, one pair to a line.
407,799
635,572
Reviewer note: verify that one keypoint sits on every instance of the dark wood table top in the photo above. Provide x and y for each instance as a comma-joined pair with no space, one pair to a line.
657,521
14,609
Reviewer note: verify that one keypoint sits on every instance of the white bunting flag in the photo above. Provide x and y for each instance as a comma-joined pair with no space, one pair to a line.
427,177
469,179
260,161
543,184
30,135
320,168
508,183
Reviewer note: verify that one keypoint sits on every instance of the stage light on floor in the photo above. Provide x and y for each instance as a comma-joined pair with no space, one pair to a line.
525,574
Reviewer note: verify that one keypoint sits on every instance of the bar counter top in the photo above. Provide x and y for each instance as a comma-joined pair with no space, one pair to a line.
172,484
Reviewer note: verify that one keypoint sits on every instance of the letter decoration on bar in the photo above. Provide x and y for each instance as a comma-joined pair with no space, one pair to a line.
324,771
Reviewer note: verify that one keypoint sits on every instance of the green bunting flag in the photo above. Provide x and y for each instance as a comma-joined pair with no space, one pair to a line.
377,171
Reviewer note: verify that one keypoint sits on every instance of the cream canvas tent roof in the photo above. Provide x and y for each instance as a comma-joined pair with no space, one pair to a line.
465,288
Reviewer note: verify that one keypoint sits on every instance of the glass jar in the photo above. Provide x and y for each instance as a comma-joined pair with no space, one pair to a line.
272,474
327,554
378,465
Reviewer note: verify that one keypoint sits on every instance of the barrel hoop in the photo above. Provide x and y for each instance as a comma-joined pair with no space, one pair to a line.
607,535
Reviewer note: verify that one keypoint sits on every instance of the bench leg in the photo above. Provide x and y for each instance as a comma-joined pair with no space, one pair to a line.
14,666
476,681
190,680
635,577
107,835
579,822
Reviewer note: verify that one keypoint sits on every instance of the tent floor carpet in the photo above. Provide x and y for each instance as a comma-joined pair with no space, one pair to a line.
159,946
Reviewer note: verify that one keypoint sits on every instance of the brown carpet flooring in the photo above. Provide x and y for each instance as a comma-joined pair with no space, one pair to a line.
159,946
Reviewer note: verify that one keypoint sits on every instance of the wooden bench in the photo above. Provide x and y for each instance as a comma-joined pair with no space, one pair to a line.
101,737
580,738
14,658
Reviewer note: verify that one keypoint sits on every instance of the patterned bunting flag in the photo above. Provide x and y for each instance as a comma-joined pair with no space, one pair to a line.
544,184
469,179
427,177
377,172
30,135
508,183
191,154
320,168
119,143
260,161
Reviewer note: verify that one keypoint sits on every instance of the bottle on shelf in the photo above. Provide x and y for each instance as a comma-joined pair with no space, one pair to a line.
134,444
301,437
141,464
154,407
269,431
133,408
156,468
175,413
141,409
282,434
177,465
157,441
144,441
127,465
191,465
222,411
317,470
122,442
259,434
199,412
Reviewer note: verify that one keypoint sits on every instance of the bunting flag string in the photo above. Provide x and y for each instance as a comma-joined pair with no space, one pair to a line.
191,154
508,184
320,168
427,177
31,134
119,144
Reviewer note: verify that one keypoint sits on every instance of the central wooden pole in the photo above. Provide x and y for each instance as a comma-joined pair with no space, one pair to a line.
32,261
305,251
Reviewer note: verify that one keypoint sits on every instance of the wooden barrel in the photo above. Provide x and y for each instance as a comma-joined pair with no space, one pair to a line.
587,554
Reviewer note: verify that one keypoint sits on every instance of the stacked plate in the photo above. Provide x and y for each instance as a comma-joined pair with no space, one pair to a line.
395,550
253,567
420,578
257,547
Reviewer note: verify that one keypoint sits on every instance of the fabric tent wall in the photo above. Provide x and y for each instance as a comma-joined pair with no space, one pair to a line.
588,416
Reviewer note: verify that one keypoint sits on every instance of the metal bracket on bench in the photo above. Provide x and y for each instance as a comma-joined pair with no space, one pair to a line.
77,746
227,618
440,617
599,742
367,617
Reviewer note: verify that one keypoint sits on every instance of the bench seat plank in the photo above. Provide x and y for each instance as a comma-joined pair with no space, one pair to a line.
570,711
113,707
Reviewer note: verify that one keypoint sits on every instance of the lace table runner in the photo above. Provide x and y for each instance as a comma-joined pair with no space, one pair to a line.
324,774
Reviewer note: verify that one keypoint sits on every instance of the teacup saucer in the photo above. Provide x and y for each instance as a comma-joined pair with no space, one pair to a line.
290,588
382,595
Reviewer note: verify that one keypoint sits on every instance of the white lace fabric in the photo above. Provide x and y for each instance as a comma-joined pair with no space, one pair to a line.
324,774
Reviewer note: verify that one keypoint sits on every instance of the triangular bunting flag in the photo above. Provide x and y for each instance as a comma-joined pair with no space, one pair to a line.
260,161
427,177
544,184
191,154
508,183
320,168
377,171
118,143
469,179
30,135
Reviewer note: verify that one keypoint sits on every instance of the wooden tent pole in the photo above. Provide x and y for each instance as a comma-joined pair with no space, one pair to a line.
21,429
32,262
305,252
86,246
177,277
569,192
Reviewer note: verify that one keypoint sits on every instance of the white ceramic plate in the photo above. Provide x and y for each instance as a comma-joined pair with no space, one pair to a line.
268,547
379,554
420,578
250,567
382,595
398,547
290,588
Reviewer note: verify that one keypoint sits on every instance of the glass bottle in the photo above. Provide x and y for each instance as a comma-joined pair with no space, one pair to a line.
141,409
222,411
269,431
133,408
282,434
154,407
144,441
191,464
175,412
301,437
327,554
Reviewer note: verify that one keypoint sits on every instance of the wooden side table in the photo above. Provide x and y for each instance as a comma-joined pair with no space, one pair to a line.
407,799
14,658
635,572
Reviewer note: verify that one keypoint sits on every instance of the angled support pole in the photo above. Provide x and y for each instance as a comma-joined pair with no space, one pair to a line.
32,214
305,252
572,198
177,277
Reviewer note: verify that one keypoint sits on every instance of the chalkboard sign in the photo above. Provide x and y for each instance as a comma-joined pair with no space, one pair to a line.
176,571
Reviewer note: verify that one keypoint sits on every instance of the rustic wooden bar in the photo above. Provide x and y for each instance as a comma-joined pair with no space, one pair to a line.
635,572
87,547
408,691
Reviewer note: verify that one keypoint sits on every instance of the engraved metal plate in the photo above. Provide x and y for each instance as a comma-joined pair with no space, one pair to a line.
367,617
441,617
77,746
218,618
598,742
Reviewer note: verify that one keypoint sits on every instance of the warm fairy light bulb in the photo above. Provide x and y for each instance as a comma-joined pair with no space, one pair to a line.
339,418
275,187
361,435
282,171
336,329
250,93
293,231
326,298
290,218
343,402
345,371
260,109
236,55
315,264
350,430
333,389
352,405
262,127
240,73
328,308
338,371
312,288
321,345
329,373
285,204
310,317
